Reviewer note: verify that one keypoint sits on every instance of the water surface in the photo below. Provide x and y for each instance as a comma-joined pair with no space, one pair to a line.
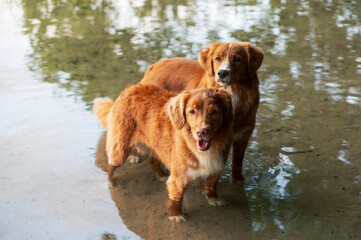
303,165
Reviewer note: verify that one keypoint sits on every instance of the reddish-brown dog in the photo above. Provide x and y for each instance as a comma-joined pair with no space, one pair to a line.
189,133
232,66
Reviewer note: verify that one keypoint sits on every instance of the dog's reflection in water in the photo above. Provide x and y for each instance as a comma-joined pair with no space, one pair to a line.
141,200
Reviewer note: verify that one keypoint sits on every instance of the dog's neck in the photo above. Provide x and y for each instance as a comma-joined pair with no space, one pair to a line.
210,163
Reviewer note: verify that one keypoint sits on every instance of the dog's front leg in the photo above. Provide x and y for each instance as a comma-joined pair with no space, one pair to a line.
176,190
210,186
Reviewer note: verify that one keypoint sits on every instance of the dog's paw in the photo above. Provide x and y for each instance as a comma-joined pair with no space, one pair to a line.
163,179
133,159
179,218
111,185
216,202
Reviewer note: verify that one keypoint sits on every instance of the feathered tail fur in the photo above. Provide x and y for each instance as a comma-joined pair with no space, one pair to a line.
101,109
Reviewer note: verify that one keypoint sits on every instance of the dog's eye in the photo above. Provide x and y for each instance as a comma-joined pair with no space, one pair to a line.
218,59
214,112
192,111
236,59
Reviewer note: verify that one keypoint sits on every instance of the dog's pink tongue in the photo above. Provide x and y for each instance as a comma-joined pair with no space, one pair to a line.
203,145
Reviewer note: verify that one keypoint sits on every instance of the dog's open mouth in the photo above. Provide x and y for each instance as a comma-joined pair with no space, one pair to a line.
203,145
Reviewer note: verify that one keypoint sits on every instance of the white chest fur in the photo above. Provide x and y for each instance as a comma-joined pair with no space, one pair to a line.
210,163
235,98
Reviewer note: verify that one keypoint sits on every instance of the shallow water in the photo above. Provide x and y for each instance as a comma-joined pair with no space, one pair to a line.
303,165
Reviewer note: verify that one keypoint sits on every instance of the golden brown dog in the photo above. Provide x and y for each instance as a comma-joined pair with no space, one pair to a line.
232,66
190,133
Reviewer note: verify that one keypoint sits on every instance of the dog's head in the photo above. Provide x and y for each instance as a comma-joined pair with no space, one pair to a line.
229,63
203,113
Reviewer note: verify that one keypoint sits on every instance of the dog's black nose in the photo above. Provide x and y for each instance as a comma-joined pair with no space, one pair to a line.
222,74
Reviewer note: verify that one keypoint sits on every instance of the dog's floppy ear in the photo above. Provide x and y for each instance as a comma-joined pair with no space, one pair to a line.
227,102
176,109
206,58
255,59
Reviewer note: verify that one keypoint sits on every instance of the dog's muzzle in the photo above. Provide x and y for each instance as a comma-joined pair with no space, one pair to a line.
222,76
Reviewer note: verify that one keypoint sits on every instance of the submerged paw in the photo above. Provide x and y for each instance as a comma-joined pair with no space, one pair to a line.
133,159
179,218
163,179
216,202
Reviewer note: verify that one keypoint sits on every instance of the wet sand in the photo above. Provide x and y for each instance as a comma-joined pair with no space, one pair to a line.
141,200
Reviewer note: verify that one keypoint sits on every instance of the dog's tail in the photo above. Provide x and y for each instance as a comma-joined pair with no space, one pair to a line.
101,109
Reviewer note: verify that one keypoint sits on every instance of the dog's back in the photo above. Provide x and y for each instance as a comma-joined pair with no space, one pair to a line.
138,115
136,100
176,74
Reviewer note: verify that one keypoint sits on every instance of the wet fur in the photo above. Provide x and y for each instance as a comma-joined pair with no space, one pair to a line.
148,115
178,74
